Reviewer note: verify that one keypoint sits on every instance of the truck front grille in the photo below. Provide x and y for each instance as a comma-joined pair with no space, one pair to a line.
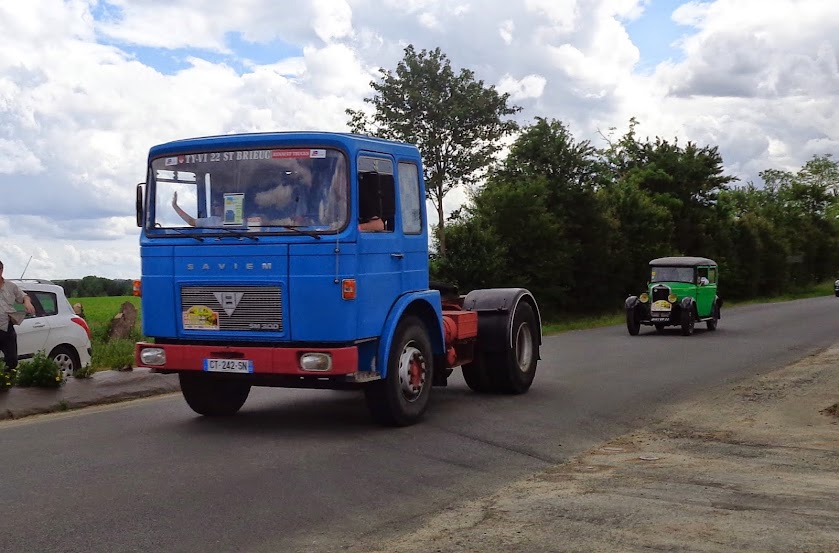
239,308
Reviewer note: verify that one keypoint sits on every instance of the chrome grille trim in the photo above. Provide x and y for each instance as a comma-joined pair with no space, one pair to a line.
259,310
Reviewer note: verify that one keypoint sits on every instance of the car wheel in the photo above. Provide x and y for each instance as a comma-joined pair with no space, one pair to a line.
401,398
208,395
67,360
633,325
712,324
687,322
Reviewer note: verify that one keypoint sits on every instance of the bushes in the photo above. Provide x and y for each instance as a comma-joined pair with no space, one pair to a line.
40,371
7,376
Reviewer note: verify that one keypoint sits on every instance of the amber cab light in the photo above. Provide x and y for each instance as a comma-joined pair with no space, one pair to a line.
348,289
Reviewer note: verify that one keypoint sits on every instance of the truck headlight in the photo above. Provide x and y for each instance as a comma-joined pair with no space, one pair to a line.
153,356
672,298
644,298
316,362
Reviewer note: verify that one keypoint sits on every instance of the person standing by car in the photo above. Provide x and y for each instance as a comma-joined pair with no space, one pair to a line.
9,294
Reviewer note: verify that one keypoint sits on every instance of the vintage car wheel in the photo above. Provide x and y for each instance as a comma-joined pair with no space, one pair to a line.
712,324
633,324
687,322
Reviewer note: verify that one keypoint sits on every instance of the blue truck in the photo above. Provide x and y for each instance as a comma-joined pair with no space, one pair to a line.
300,259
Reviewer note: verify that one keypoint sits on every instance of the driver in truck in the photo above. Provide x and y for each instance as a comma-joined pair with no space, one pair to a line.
214,220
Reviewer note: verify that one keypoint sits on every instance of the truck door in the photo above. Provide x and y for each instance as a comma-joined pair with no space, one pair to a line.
413,228
381,259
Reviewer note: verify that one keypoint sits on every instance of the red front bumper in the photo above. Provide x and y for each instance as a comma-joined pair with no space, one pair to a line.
266,360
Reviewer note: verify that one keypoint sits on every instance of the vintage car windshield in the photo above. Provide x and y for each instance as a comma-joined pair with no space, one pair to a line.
672,274
250,190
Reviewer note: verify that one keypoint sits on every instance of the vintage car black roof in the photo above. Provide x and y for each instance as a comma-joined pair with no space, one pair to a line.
681,262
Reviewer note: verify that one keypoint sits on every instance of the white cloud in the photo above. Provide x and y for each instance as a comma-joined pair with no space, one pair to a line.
83,97
529,86
506,30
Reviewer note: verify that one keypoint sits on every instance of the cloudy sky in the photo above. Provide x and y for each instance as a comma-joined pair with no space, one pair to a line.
87,86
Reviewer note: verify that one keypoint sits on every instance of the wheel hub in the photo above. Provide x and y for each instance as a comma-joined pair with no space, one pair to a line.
411,372
524,347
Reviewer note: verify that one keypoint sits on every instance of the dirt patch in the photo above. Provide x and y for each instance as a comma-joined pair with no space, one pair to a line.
751,468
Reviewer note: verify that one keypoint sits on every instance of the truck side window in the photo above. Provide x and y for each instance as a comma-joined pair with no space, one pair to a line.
409,197
376,195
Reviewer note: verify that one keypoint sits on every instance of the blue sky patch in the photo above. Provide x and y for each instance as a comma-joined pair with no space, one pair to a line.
655,32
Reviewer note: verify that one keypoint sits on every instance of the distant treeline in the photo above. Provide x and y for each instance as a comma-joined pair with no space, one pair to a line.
577,225
94,287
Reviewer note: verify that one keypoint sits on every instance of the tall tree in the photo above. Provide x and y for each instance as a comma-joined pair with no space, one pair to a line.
455,120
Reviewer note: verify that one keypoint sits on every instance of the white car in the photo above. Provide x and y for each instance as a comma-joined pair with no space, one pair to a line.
54,328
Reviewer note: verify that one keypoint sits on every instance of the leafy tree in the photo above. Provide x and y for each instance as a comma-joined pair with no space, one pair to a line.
684,180
455,120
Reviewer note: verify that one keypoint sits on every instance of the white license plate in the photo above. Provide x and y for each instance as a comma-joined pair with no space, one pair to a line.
228,365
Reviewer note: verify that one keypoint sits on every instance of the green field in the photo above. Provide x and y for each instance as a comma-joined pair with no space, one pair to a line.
99,312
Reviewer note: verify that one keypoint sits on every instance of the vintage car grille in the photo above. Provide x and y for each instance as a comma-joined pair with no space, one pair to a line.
260,307
660,293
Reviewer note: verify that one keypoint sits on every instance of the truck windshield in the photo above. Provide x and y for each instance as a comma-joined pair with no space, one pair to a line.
275,190
672,274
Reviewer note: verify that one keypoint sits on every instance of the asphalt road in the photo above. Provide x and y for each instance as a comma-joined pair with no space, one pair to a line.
301,470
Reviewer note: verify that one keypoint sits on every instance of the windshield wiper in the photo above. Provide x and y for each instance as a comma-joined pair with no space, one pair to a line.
237,233
297,229
158,225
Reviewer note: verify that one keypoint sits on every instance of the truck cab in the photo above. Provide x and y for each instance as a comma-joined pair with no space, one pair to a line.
298,260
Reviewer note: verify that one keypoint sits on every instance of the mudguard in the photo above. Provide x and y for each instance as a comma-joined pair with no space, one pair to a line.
426,305
688,303
632,302
496,307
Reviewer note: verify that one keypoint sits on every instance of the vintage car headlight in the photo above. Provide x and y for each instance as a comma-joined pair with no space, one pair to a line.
644,298
672,298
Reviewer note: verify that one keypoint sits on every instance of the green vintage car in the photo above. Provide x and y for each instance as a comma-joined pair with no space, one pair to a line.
681,292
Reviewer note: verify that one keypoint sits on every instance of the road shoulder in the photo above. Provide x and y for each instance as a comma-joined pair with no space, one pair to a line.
103,387
752,466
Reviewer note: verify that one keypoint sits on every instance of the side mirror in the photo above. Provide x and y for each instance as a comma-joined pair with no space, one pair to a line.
139,204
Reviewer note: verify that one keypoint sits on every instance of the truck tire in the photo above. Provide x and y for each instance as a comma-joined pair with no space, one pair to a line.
510,371
518,367
477,375
402,397
213,397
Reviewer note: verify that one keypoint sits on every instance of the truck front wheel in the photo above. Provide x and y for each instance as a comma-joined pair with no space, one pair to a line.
213,397
401,398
